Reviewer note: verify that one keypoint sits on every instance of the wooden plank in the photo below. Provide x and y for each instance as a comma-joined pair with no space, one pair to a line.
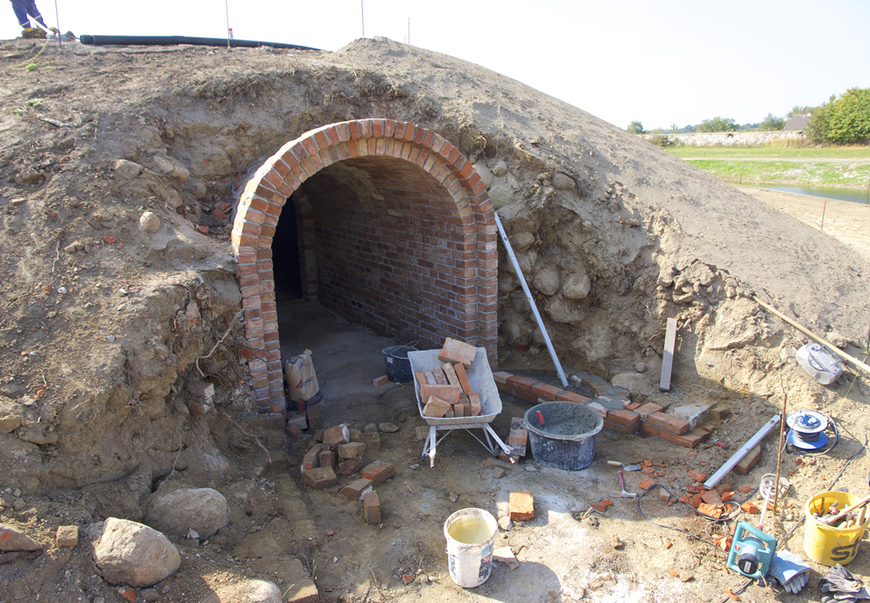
668,355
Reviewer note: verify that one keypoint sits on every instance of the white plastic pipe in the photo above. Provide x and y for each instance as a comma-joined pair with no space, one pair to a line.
516,264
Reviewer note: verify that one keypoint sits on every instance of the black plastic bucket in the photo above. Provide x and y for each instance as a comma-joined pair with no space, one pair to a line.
397,363
567,439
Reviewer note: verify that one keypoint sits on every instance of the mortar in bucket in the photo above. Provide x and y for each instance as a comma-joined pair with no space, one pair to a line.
829,545
397,364
470,535
567,438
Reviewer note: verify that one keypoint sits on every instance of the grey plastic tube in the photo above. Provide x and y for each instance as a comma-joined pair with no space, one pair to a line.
177,40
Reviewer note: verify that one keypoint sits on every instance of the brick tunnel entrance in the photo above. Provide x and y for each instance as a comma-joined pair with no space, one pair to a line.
394,231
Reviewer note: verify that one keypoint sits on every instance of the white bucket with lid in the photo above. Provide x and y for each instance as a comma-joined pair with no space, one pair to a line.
470,535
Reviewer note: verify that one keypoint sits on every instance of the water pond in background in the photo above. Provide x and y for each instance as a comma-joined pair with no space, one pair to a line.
843,194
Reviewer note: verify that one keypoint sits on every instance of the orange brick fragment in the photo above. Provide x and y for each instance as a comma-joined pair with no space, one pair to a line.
710,510
699,477
602,506
749,507
673,573
646,483
726,496
745,489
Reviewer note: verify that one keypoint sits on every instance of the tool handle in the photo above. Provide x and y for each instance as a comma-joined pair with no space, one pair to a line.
615,463
621,481
540,418
846,511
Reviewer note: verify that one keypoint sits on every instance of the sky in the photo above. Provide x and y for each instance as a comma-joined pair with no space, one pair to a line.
659,62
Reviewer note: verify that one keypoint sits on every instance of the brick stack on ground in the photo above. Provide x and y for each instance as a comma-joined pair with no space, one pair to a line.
619,412
342,448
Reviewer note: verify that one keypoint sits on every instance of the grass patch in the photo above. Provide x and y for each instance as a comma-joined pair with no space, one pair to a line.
810,173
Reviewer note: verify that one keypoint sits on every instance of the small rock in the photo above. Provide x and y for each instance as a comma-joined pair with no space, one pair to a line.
149,222
562,181
127,169
453,496
500,169
498,472
616,543
370,428
12,539
388,427
505,523
421,433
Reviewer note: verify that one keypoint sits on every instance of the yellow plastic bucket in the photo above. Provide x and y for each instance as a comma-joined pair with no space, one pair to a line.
826,544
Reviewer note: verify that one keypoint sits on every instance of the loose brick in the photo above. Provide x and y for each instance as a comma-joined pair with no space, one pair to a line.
711,497
313,415
464,383
380,381
379,472
647,483
624,417
522,505
440,378
420,376
669,422
519,436
372,441
648,409
351,450
710,510
456,351
320,478
349,466
448,393
293,431
310,459
700,476
355,435
67,536
749,461
459,410
372,508
436,407
334,436
450,374
326,458
357,488
474,401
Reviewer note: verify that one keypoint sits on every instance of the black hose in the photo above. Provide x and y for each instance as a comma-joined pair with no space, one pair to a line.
177,40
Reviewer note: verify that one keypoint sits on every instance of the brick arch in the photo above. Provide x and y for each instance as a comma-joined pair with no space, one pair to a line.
466,267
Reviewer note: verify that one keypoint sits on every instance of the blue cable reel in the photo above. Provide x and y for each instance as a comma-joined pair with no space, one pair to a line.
751,551
807,430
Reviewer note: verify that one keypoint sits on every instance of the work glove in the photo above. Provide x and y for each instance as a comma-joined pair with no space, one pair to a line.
841,585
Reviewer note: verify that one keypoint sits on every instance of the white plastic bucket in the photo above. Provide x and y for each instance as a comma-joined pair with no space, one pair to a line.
470,535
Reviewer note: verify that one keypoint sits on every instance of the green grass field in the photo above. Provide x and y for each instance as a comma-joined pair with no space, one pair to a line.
847,167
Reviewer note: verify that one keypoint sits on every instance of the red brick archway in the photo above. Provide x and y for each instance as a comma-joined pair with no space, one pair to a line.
427,251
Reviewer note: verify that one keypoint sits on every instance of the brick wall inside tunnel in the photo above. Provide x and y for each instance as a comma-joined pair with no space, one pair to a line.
398,234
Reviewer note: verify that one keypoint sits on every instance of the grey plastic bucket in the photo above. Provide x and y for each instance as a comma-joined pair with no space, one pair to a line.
567,439
397,363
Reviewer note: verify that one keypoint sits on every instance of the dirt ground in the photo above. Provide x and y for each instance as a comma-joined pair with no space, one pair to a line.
109,335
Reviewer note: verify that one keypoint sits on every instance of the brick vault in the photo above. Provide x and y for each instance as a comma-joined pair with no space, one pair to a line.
395,231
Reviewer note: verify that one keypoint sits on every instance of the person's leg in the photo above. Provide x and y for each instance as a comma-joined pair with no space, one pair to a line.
20,10
33,11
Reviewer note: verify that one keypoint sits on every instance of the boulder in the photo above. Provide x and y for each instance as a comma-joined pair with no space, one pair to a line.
562,182
548,280
484,173
133,554
577,285
203,510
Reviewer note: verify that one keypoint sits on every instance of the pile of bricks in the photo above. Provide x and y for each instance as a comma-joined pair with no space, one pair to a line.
341,448
620,414
446,389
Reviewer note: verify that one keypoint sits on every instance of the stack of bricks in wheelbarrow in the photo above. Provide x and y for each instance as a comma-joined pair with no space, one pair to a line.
446,390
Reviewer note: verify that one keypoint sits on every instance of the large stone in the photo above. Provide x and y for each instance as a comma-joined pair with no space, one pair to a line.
522,241
548,280
127,170
203,510
170,166
562,182
577,285
565,312
500,169
484,173
10,416
133,554
249,591
149,222
500,194
12,539
635,383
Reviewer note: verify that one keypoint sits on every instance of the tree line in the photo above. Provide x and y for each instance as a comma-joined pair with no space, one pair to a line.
844,119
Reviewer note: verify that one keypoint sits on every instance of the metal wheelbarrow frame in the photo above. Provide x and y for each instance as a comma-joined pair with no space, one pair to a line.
480,377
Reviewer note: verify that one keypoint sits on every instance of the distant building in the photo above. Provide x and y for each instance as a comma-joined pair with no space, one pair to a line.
798,122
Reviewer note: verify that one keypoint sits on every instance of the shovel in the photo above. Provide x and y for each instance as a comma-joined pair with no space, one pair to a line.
624,467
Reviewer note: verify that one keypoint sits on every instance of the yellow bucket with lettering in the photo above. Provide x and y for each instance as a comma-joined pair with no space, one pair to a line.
826,544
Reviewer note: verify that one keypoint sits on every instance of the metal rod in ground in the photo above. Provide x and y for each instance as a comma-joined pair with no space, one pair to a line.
779,454
534,306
